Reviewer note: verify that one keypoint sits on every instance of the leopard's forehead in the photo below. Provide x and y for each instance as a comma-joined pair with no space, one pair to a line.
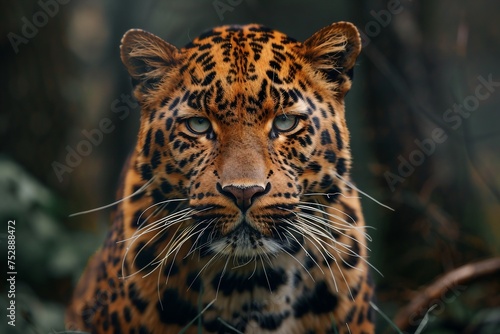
249,70
247,40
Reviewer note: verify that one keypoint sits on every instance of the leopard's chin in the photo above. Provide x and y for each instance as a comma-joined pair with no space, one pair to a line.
243,242
246,243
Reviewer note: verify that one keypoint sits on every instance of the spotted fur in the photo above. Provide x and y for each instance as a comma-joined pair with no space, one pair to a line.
238,214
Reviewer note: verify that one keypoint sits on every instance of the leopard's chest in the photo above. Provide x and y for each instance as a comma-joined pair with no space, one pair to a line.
260,296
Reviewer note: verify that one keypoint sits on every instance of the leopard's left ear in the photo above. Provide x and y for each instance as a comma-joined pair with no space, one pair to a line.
333,50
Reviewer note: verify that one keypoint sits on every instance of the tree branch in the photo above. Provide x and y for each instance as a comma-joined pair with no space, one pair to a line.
438,289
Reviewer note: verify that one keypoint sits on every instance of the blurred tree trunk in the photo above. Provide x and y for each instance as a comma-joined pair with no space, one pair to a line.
37,114
36,111
421,161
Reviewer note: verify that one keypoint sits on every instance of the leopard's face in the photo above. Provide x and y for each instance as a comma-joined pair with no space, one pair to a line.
247,125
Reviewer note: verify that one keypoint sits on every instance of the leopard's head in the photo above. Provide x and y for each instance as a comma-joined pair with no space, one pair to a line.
248,126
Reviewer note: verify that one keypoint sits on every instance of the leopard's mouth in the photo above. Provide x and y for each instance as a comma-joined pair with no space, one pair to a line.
246,242
246,236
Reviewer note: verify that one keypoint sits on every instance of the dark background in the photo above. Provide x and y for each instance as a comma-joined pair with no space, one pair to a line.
60,79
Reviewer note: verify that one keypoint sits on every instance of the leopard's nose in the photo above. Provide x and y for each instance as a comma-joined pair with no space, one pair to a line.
243,196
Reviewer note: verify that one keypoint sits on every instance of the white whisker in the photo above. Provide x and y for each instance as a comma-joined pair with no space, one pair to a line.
265,273
194,247
314,241
306,252
327,195
348,250
324,253
221,276
320,206
321,225
212,259
362,192
141,189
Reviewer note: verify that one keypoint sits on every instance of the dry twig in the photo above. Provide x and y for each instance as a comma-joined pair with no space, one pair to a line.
438,289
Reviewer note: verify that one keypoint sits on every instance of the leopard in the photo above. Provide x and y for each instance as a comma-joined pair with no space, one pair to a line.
236,212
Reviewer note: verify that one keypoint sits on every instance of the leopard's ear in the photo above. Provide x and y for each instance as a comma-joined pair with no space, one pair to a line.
333,50
147,57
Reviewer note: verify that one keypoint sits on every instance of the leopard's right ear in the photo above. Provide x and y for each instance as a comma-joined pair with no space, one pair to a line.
147,57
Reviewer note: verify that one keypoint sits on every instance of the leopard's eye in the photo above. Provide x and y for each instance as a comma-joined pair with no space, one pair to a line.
285,123
198,125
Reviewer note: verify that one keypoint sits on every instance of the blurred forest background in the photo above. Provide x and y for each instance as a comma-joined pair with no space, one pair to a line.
423,114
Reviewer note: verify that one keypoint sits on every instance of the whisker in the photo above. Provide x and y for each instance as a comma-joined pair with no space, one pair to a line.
345,280
321,243
171,250
315,221
319,206
327,195
171,266
221,276
323,254
138,191
293,257
327,223
212,259
348,249
322,209
141,230
307,253
162,223
265,274
153,205
316,244
181,215
243,264
142,248
254,267
362,192
158,282
311,229
315,231
195,246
